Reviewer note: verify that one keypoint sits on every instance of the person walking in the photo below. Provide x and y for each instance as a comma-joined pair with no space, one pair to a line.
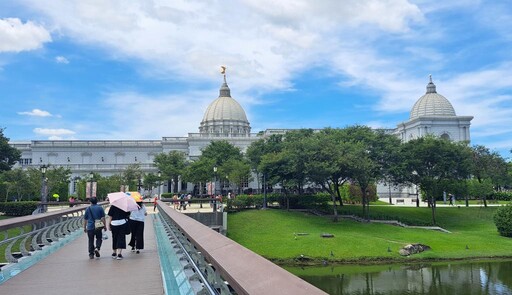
155,203
118,224
137,227
93,213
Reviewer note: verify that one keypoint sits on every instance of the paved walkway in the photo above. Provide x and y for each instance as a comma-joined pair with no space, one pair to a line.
70,271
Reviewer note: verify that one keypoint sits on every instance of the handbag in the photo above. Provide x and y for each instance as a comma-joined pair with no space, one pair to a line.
98,224
126,228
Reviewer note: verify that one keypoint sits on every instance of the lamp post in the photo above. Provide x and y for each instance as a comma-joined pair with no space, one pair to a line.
214,180
159,183
214,189
43,188
90,185
264,191
139,185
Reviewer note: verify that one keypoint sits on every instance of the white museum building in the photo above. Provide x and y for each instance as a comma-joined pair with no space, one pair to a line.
224,119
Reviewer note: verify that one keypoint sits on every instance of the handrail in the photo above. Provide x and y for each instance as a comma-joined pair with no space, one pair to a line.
245,271
36,231
6,224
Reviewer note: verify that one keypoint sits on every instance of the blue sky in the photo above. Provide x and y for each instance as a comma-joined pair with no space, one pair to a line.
147,69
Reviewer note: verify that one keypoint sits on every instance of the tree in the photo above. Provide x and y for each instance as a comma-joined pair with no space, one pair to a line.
58,181
374,154
237,172
200,171
131,176
8,154
488,165
225,157
221,151
430,161
259,148
17,182
294,148
171,165
327,165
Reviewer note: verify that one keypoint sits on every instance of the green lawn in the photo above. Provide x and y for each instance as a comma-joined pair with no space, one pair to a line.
272,234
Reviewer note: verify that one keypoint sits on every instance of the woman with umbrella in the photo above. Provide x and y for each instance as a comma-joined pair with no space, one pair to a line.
119,212
137,225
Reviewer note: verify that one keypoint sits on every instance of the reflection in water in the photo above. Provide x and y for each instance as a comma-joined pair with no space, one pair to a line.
485,278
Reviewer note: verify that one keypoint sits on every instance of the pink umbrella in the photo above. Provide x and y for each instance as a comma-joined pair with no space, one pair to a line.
122,201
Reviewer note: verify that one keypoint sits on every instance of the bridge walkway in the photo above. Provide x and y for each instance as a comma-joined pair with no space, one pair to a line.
70,271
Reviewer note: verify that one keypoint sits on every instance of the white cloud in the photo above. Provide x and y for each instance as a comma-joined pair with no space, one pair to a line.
36,113
16,36
53,132
61,60
263,43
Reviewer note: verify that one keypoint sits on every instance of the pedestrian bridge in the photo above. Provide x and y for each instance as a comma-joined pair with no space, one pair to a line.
181,256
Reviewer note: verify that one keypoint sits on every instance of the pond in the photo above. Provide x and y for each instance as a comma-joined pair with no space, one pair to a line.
475,277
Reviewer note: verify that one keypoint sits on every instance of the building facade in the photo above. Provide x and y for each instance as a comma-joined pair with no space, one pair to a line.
224,119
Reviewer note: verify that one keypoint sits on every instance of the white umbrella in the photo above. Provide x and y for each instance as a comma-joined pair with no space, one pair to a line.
122,201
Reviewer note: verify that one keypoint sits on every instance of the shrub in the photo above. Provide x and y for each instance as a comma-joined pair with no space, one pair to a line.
503,220
18,208
502,196
167,195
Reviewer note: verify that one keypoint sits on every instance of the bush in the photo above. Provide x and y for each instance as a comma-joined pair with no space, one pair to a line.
167,195
503,220
18,208
502,196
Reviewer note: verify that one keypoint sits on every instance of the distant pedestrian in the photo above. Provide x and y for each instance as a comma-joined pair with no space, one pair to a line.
92,213
71,201
155,203
137,227
118,224
175,201
450,198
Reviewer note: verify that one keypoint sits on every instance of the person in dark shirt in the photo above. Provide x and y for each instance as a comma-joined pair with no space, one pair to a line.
93,213
117,224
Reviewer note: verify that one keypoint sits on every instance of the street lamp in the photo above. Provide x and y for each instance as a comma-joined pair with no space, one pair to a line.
43,187
139,185
264,191
214,180
90,184
159,183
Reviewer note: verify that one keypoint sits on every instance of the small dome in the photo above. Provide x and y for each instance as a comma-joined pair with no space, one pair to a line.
432,104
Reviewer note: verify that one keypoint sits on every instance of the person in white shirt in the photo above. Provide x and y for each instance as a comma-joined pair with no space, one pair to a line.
137,227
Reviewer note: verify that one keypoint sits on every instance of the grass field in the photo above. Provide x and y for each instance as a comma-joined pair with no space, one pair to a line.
283,236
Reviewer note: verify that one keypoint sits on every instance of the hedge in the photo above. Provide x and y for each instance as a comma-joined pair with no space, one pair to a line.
18,208
316,201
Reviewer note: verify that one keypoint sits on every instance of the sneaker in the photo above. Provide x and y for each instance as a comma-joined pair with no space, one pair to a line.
114,255
133,249
138,252
119,257
97,252
91,256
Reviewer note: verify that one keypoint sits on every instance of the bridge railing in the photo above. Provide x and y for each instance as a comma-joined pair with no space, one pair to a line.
241,270
21,236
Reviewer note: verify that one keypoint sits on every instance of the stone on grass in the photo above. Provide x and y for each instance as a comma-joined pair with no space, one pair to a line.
413,249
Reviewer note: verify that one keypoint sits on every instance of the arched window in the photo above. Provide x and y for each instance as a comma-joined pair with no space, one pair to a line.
445,136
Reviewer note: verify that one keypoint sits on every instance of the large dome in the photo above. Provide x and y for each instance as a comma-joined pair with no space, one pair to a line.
225,116
432,104
224,108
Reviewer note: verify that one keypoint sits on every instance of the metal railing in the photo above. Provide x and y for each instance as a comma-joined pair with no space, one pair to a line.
26,234
222,266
